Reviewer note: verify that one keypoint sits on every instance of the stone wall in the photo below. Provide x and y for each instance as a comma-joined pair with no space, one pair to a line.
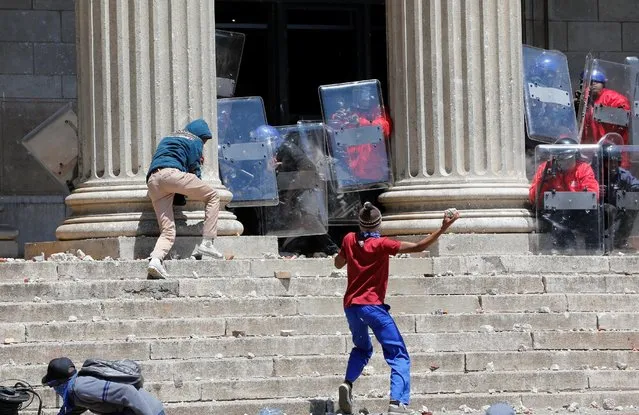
37,77
609,29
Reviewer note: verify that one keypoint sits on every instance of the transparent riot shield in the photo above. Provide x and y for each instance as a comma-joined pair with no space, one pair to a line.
302,173
621,198
565,192
228,56
548,98
605,106
358,132
245,154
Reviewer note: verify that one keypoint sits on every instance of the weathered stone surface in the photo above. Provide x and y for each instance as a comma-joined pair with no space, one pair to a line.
543,360
603,302
42,353
618,321
457,342
523,322
524,303
242,346
119,330
586,340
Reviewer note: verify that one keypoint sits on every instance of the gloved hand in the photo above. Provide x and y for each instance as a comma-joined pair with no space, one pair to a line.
179,200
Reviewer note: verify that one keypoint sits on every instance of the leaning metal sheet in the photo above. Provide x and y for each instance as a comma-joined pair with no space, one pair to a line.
621,198
245,152
548,99
302,174
228,56
566,194
607,101
358,129
54,143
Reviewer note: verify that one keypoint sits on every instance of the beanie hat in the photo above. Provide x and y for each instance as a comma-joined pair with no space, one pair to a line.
199,128
369,217
61,369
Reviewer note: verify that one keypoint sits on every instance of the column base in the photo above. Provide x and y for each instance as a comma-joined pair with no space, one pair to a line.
418,209
460,244
131,248
110,211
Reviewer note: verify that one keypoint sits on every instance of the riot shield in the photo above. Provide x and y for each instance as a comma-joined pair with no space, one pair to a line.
565,192
245,152
358,131
621,198
302,173
228,56
548,99
605,107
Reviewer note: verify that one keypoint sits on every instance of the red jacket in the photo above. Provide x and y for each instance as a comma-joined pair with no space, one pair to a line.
576,180
594,130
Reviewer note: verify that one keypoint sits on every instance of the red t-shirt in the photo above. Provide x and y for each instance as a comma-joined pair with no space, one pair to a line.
367,268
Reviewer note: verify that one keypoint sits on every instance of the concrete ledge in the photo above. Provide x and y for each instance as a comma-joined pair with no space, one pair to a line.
129,248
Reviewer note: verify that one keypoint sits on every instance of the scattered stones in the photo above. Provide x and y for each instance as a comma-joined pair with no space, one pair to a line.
554,367
490,367
522,348
434,367
9,340
269,255
238,333
130,338
286,333
178,382
219,356
73,318
486,328
195,275
621,365
466,409
37,299
609,404
368,370
595,405
544,310
250,355
573,407
493,291
96,318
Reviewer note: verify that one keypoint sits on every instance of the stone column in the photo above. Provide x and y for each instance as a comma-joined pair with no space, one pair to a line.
145,68
456,101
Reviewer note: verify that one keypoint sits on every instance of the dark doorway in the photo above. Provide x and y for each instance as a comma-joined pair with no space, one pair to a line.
293,47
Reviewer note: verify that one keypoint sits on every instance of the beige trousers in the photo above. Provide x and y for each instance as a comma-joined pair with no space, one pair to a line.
163,185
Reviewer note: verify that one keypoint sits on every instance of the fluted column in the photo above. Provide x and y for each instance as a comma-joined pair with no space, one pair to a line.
456,99
145,68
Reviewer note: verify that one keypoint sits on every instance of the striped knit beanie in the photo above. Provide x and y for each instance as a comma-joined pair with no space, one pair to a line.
369,217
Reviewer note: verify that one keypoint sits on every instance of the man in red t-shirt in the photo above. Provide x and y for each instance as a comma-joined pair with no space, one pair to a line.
366,255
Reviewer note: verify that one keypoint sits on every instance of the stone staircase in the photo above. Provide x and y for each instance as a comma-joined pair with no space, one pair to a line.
232,337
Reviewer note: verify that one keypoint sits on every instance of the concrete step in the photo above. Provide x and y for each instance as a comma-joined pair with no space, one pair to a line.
438,404
295,325
426,387
438,266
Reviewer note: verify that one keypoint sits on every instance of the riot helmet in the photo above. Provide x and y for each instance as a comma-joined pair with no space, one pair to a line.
611,152
565,158
267,133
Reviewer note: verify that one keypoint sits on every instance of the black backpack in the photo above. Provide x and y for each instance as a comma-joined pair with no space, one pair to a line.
118,371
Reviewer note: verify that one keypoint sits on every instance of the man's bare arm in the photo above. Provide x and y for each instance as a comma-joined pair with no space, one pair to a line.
340,261
408,247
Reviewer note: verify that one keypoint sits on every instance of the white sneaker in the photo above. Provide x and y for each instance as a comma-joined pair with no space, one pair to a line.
207,249
156,270
345,398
